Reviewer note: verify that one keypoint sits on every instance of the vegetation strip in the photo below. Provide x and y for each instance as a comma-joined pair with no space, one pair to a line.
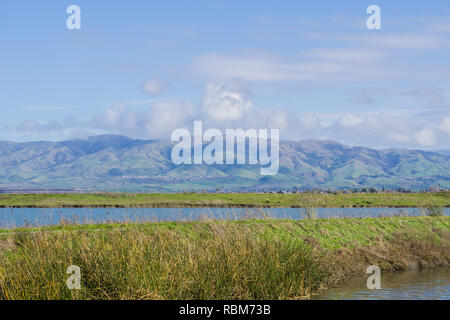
248,259
177,200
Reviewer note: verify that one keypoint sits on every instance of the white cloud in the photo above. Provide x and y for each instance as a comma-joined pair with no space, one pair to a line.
353,59
349,120
155,86
260,68
227,101
111,118
163,117
425,138
358,55
399,137
406,41
445,125
229,105
157,121
279,120
379,130
309,120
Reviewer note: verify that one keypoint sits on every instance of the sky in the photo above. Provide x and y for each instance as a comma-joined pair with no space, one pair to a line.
311,69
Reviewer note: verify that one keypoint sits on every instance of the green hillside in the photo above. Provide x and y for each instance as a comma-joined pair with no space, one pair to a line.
118,163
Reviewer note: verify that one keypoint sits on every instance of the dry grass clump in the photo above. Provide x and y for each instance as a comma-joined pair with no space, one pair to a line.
400,253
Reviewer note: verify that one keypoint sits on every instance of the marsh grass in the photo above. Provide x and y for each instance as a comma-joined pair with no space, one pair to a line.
309,213
254,258
434,211
441,199
210,261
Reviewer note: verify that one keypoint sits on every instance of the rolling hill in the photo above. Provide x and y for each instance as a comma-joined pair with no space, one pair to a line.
118,163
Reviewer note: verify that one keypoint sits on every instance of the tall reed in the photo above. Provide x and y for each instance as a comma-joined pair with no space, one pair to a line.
212,261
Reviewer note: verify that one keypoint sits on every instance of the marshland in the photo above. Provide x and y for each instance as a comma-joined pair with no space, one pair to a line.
250,256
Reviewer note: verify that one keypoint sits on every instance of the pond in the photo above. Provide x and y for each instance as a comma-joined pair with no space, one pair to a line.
27,217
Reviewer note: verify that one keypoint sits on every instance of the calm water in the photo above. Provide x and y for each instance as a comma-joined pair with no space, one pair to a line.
20,217
432,284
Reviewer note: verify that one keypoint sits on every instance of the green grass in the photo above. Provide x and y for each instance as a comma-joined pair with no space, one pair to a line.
247,259
441,199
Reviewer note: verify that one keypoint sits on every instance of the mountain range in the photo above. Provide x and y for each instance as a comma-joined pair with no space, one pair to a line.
119,163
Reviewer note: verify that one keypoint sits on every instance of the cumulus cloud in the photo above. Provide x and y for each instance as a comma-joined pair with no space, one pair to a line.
382,130
165,116
349,120
445,125
425,138
155,122
407,130
227,101
155,86
229,105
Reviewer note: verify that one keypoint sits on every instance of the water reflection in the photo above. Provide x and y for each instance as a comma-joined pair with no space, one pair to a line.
431,284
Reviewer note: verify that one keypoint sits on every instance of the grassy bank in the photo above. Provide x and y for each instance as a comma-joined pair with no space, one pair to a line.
441,199
253,259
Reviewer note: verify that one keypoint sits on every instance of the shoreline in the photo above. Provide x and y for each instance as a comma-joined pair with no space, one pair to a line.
181,206
227,200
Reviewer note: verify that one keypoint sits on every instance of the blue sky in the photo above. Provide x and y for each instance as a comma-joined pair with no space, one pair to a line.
144,68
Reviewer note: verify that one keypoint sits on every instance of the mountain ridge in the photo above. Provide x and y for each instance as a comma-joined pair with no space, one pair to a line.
120,163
